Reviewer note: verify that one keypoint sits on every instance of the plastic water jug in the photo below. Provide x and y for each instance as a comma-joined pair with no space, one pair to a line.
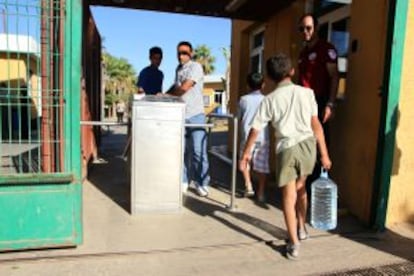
324,202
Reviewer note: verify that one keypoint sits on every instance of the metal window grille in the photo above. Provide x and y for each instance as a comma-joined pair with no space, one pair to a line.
31,86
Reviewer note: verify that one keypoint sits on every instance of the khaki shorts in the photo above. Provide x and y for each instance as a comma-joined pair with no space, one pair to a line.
295,161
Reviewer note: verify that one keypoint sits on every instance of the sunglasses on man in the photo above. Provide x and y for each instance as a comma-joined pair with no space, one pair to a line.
184,53
305,28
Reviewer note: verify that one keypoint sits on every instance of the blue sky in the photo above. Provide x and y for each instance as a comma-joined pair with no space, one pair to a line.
130,33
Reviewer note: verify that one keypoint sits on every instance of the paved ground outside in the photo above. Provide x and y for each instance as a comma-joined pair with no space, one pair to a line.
205,238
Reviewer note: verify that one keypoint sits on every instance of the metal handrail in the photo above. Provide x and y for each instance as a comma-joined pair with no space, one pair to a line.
101,123
233,160
199,125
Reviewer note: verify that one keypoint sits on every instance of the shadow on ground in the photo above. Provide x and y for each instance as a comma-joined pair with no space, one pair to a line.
118,189
115,168
348,225
204,208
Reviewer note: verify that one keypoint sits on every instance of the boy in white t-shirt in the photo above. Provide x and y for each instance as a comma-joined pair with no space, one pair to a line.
293,112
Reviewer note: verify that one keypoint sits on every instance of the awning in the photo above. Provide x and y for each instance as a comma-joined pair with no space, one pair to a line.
238,9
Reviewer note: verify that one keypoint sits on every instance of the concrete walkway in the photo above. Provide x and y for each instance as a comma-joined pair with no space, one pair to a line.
204,238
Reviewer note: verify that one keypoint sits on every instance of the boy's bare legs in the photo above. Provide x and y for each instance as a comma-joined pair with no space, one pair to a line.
289,210
248,181
302,202
261,185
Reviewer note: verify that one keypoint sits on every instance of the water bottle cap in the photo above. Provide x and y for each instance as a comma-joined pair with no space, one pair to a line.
324,173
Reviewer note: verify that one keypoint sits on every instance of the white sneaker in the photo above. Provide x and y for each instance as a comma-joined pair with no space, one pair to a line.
184,187
193,184
303,234
261,198
205,188
292,251
202,191
249,193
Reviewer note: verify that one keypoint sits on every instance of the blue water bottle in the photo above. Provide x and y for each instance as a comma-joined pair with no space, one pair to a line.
324,202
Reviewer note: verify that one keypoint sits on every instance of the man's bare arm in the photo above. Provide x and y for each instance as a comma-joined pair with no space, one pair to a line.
141,90
179,90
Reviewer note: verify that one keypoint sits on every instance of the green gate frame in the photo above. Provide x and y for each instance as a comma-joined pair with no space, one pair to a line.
45,210
397,22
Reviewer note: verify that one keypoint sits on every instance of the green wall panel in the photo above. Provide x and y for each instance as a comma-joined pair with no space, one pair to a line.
39,216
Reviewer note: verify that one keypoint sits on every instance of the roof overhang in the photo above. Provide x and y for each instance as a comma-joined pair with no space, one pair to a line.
12,43
257,10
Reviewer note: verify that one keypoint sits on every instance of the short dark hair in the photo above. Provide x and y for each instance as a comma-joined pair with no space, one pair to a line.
255,80
278,67
314,19
155,51
185,43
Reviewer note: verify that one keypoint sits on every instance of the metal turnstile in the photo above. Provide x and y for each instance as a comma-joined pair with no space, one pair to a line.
157,154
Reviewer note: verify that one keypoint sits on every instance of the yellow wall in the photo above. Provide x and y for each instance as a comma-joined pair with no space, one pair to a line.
209,91
214,86
401,203
13,72
355,127
239,66
280,36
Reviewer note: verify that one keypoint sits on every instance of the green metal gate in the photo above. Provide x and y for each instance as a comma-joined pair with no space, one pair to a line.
40,169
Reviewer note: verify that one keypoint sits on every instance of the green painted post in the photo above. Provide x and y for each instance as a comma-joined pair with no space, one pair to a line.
45,209
397,21
72,69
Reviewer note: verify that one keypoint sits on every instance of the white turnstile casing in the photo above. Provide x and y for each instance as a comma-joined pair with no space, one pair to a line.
157,154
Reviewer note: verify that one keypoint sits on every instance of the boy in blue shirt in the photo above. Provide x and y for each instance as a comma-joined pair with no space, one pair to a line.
248,106
150,78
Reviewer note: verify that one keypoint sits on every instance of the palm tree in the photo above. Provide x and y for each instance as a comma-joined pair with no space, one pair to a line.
226,81
119,80
202,55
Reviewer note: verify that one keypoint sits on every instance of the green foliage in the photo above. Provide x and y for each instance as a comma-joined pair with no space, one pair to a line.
226,53
120,78
118,68
202,54
110,99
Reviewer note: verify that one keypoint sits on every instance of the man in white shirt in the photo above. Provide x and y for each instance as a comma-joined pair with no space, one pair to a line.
189,86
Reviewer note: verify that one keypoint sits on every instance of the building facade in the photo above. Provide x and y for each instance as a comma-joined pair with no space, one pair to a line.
374,97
